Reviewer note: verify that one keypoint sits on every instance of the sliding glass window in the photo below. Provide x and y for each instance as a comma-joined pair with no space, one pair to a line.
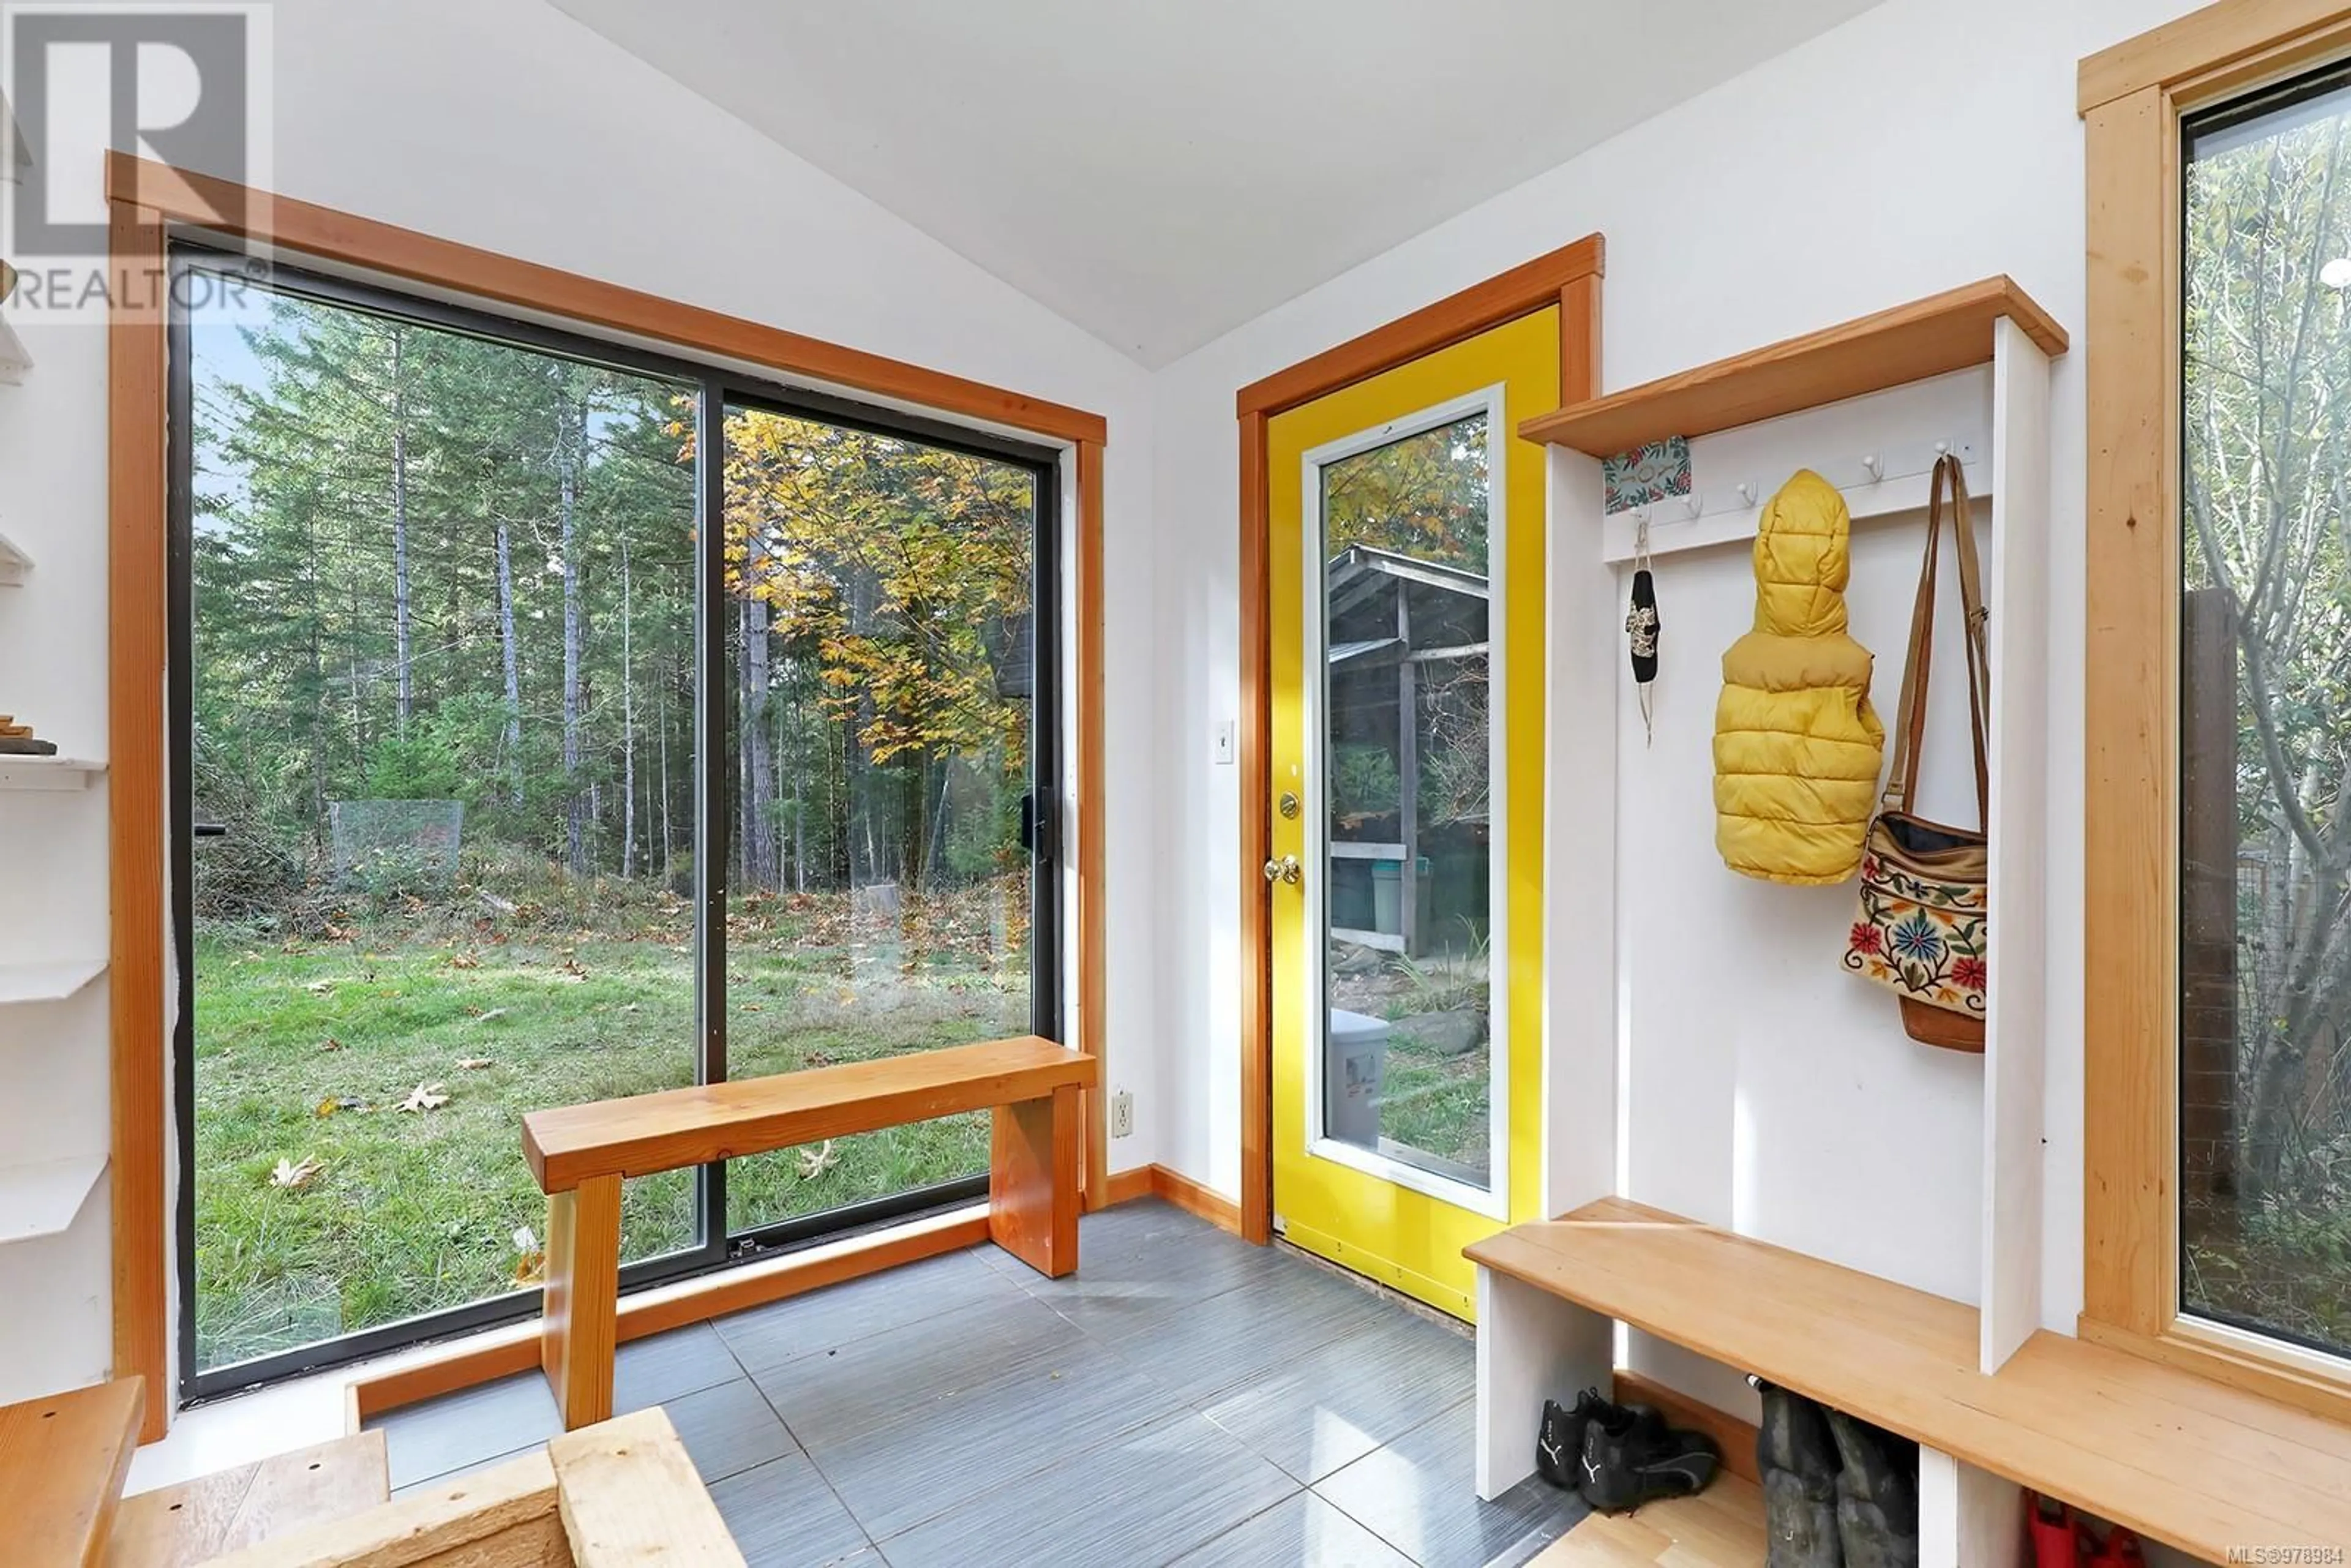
542,735
881,605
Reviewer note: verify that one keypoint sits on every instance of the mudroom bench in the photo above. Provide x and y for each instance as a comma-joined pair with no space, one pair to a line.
581,1154
2180,1459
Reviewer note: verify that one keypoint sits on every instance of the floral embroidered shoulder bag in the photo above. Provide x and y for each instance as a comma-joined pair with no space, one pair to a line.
1923,930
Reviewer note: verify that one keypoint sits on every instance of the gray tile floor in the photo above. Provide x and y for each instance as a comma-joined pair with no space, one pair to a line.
1182,1399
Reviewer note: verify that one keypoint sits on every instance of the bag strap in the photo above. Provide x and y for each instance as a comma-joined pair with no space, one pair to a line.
1910,719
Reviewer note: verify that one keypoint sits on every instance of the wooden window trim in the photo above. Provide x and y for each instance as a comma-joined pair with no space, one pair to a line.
2132,98
147,200
1569,278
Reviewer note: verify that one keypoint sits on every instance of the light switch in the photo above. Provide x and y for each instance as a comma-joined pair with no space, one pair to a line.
1225,743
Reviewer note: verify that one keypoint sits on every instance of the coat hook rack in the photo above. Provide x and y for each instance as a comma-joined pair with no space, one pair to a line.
1891,479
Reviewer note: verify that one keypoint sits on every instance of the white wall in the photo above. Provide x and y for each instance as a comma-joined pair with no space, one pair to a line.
505,124
1919,146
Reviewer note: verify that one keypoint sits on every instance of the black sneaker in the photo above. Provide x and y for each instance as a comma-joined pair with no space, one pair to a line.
1559,1441
1631,1457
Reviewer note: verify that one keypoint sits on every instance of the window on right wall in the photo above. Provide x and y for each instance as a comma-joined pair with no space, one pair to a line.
2263,824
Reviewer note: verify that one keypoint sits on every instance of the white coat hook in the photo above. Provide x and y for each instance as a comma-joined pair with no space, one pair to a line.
1942,449
1693,505
1747,492
1877,467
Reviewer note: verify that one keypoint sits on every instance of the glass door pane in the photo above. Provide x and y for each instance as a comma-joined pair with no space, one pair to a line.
438,732
2265,627
1408,766
881,607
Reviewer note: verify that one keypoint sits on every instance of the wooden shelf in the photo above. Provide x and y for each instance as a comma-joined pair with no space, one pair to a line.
1928,337
14,563
2180,1459
47,773
49,981
41,1199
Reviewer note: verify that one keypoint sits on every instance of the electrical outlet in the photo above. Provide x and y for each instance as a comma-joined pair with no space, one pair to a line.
1122,1114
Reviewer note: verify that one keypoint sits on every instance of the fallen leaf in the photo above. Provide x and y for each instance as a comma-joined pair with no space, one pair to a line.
426,1097
473,1063
290,1175
493,1013
530,1259
320,988
332,1044
464,961
815,1162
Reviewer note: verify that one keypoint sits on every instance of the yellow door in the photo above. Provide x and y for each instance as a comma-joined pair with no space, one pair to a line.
1405,565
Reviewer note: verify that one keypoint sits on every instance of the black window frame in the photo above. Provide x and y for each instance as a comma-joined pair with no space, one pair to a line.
718,390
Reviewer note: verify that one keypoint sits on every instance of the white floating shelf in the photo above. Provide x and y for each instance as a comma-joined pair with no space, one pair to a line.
38,1200
14,563
50,980
15,361
51,773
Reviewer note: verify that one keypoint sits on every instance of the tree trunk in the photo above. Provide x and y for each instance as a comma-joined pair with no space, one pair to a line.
568,480
667,841
800,800
400,603
510,741
759,786
628,720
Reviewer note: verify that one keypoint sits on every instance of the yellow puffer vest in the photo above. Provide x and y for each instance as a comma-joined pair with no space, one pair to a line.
1796,744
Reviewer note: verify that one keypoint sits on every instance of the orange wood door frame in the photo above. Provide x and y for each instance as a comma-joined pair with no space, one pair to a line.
1568,277
147,200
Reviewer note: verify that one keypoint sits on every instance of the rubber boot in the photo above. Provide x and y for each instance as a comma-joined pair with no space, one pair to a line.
1877,1495
1559,1441
1798,1460
2121,1551
2057,1535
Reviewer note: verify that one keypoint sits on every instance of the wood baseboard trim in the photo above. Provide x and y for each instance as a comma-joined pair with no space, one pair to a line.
1734,1436
1123,1186
1194,1199
503,1351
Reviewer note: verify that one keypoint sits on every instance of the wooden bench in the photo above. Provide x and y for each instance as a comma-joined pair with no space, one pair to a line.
2180,1459
623,1494
581,1154
63,1460
196,1521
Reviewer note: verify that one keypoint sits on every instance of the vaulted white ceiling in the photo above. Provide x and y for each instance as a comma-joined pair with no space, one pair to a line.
1160,171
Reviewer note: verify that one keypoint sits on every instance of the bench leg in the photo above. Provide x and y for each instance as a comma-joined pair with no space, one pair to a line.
1032,1182
1531,1346
583,1298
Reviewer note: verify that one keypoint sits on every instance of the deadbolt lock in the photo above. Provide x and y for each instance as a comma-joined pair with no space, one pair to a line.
1286,869
1288,806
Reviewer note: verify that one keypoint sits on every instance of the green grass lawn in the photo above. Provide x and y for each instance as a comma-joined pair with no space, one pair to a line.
410,1212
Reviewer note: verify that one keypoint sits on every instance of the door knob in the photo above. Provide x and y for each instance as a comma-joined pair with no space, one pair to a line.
1286,869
